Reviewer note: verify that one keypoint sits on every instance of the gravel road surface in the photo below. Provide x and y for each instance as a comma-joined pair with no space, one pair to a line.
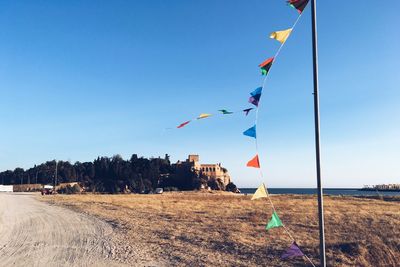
33,233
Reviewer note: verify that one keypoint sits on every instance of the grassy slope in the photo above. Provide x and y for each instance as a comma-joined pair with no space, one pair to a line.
228,230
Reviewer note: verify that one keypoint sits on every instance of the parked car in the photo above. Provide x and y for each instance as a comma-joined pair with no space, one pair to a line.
159,190
46,191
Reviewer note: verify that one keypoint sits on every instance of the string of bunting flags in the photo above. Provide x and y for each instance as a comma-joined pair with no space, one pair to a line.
245,111
255,96
274,222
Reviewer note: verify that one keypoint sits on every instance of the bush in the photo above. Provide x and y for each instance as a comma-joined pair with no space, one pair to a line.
170,189
231,187
76,189
216,184
70,189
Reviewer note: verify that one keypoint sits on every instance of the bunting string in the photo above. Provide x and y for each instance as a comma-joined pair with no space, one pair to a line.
281,36
220,113
255,96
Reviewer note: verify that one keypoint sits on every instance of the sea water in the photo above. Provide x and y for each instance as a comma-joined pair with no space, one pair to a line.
327,191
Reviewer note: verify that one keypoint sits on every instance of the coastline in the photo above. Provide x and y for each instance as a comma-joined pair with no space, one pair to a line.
380,190
327,191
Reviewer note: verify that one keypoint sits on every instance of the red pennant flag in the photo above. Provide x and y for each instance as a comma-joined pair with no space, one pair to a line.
266,65
183,124
254,162
298,4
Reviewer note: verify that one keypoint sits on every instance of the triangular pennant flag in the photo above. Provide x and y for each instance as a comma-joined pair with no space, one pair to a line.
255,96
292,251
254,162
298,4
183,124
225,112
251,132
274,222
254,101
260,193
247,110
281,36
256,91
266,65
203,116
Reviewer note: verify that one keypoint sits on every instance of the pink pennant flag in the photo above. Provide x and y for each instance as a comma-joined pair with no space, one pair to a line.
183,124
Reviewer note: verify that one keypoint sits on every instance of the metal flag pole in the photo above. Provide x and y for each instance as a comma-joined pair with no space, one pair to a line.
317,141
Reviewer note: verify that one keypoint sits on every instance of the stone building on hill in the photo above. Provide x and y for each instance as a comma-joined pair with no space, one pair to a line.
211,171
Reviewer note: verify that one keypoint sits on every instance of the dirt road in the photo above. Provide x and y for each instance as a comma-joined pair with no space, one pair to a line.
33,233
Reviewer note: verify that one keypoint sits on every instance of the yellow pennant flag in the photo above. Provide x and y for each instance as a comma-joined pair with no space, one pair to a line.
260,193
281,36
203,116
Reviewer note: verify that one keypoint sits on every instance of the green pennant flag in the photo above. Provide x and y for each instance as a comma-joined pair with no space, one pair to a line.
225,112
274,222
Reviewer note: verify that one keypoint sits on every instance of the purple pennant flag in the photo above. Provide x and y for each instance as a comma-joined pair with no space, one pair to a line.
247,110
292,251
255,96
253,101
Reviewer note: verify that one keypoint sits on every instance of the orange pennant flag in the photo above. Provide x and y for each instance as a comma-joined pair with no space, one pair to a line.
254,162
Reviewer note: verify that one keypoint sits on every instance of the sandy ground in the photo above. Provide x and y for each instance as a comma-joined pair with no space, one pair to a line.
34,233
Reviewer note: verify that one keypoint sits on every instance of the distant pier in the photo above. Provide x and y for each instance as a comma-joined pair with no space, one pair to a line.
382,187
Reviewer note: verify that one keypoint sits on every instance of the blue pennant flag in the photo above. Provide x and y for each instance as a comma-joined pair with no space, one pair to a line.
255,96
250,132
257,91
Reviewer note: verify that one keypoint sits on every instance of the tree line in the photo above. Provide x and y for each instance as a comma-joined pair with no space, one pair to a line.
114,175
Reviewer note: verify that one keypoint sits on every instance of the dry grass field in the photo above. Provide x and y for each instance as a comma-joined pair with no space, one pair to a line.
221,229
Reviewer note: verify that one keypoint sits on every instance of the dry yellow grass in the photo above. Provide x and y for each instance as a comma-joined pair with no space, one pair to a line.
214,229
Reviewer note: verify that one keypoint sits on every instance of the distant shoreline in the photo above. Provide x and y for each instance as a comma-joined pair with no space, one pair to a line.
380,190
327,191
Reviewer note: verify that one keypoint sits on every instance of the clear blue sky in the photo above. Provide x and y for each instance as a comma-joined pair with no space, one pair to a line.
79,79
